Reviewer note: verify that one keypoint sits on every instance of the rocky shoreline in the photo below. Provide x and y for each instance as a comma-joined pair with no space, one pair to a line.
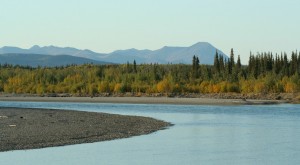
254,97
38,128
214,100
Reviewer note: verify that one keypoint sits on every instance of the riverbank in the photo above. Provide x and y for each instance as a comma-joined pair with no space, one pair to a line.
148,100
38,128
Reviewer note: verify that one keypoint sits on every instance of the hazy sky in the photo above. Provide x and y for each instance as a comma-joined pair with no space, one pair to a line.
107,25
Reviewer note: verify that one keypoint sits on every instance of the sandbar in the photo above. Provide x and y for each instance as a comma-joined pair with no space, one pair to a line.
22,128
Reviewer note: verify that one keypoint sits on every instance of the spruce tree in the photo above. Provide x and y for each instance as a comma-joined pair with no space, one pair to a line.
238,64
251,63
298,63
134,67
285,65
277,65
231,62
294,63
221,62
217,63
256,70
128,69
194,63
195,67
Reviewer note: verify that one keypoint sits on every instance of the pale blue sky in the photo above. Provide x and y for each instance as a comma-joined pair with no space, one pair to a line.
107,25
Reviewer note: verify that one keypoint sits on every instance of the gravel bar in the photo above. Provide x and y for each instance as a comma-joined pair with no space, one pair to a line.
22,128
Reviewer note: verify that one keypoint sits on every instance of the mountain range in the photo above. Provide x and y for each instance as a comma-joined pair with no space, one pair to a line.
204,50
35,60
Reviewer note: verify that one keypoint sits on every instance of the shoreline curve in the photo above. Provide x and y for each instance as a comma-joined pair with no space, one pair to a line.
28,128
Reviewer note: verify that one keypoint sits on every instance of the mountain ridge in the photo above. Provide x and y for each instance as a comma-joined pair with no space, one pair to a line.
35,60
167,54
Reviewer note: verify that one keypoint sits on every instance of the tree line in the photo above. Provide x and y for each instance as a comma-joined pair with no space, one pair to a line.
265,73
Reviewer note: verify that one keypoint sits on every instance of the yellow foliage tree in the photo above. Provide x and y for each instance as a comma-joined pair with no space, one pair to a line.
259,87
290,87
164,86
104,87
204,87
117,87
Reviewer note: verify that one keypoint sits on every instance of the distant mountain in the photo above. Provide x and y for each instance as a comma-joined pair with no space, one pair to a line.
205,51
53,50
10,49
35,60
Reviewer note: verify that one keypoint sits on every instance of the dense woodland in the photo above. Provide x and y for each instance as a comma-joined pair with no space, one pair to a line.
265,73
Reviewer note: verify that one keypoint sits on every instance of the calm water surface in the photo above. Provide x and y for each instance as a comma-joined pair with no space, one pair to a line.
201,135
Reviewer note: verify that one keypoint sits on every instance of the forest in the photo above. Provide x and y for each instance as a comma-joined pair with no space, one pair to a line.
265,73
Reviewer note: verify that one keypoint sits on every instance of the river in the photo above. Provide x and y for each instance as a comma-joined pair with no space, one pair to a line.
202,134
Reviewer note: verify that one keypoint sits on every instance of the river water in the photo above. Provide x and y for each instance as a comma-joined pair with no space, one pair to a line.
202,134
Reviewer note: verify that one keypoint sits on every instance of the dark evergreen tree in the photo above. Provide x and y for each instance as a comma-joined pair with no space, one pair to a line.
251,63
270,61
221,62
195,67
217,63
285,65
277,65
294,63
226,66
298,64
256,69
128,69
231,62
238,63
134,66
194,63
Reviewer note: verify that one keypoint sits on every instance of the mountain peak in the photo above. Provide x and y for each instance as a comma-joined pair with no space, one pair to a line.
201,44
51,46
35,47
